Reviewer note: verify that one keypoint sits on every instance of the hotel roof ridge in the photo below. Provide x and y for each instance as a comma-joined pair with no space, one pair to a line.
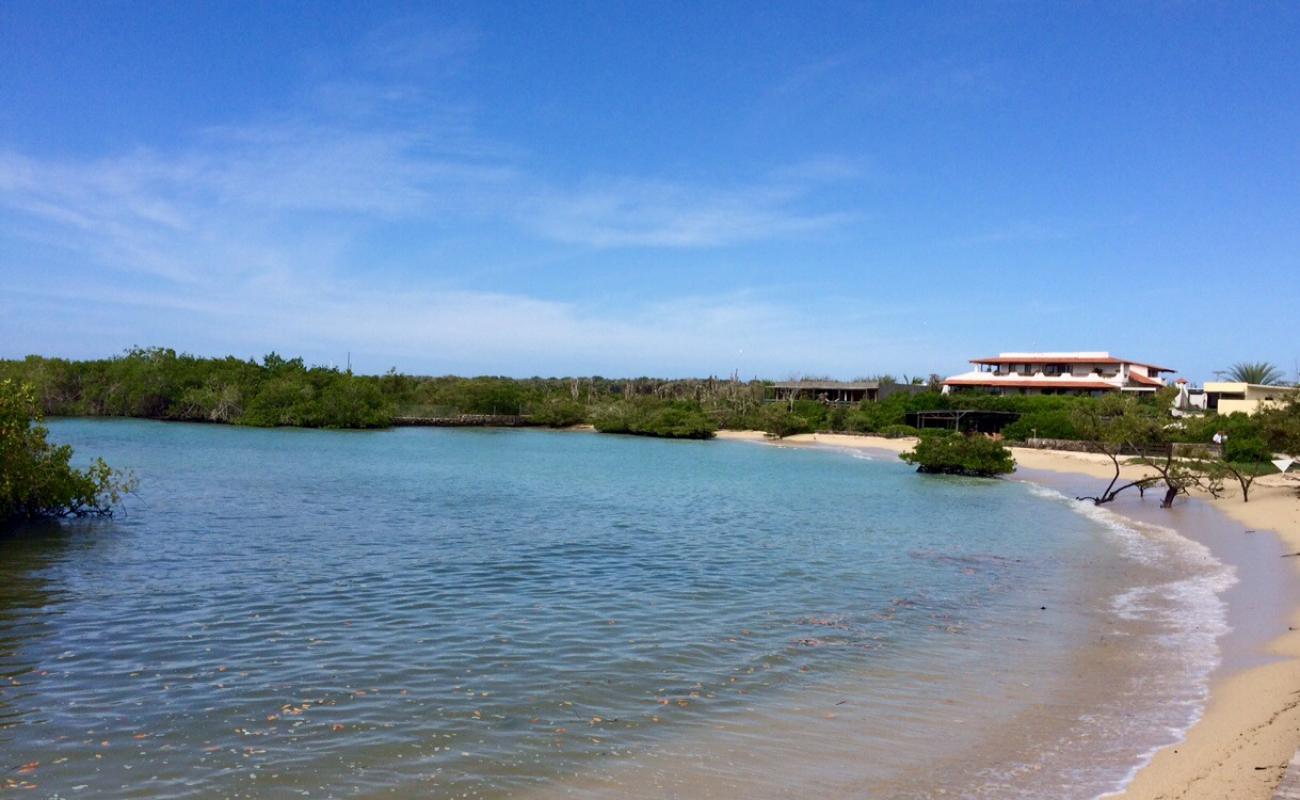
1081,357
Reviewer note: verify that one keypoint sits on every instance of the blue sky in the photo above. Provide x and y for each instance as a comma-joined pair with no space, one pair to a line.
664,189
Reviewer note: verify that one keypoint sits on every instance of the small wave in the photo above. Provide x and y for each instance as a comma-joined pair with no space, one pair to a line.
1189,616
1144,542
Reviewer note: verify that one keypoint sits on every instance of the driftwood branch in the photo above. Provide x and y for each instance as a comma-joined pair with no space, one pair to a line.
1112,490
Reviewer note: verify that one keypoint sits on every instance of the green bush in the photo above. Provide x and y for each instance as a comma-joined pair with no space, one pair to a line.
874,417
490,396
837,419
612,418
1199,428
1250,437
924,432
779,423
645,417
1280,427
679,421
317,398
1053,424
36,477
1246,448
897,431
814,412
559,412
956,454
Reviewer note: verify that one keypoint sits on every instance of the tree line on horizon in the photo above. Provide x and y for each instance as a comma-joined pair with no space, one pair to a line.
36,478
158,383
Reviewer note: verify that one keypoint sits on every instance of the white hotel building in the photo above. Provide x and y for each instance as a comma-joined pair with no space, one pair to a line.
1057,373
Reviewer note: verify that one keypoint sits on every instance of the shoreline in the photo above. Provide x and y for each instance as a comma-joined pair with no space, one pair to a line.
1250,727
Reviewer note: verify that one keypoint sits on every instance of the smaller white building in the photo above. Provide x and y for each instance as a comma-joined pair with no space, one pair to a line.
1091,373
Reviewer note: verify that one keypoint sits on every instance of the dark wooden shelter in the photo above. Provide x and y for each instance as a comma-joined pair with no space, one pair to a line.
840,392
963,420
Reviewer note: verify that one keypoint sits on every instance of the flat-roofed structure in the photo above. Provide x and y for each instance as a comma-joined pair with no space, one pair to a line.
963,420
1228,397
1086,372
840,392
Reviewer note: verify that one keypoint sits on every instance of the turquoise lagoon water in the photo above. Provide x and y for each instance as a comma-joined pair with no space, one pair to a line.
477,613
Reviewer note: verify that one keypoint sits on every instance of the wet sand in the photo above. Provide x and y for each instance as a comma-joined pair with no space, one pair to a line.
1250,728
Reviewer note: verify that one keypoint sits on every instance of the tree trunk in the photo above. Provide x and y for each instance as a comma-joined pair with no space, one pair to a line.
1170,493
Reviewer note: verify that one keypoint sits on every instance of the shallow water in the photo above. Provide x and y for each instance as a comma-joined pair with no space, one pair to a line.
474,613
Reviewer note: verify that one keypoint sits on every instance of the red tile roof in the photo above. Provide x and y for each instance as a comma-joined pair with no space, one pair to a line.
1144,380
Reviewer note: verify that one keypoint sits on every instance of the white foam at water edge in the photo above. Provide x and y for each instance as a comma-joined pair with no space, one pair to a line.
1189,610
1144,542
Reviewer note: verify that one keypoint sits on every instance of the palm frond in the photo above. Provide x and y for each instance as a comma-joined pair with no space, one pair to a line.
1257,372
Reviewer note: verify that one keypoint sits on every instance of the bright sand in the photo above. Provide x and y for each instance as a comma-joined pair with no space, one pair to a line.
1251,726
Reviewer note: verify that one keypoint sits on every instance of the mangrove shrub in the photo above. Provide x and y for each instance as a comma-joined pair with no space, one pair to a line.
36,477
671,419
955,454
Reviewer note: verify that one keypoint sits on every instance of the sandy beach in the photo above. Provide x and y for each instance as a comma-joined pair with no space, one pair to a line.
1251,726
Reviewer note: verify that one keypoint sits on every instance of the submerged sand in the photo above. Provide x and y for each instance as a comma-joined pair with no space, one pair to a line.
1240,746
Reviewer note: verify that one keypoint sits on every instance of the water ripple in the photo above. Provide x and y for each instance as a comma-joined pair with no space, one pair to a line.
444,613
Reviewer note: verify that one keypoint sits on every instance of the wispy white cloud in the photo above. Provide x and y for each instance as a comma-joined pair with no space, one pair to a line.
825,168
418,42
860,77
379,174
285,185
810,73
246,242
624,212
260,233
494,332
367,173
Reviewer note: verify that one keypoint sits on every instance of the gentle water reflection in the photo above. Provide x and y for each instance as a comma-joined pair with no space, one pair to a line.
484,614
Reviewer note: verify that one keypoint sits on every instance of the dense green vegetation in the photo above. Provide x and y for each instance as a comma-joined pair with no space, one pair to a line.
161,384
1053,424
897,431
36,477
158,383
958,454
672,419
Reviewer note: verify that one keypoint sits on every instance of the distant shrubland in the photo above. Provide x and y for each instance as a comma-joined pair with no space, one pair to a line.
158,383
